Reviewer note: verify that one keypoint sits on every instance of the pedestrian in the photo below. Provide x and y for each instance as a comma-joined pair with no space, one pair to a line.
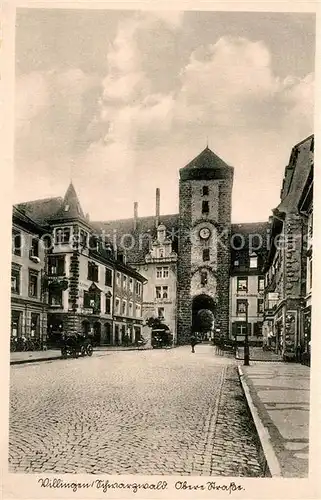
193,340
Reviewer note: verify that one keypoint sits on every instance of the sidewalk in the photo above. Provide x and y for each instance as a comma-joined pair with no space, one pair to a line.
278,396
53,354
257,354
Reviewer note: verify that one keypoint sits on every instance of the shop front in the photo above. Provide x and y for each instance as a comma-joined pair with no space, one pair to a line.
28,325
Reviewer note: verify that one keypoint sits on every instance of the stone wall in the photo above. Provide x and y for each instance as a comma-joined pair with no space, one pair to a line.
72,319
224,258
184,301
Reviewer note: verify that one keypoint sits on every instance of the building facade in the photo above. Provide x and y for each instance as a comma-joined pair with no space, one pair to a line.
29,301
80,274
248,250
305,207
286,294
160,271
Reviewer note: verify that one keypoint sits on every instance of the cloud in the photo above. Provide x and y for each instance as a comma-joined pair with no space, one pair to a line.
31,97
135,137
50,107
172,18
232,83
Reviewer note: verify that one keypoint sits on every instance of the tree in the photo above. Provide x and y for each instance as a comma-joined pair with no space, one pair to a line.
204,320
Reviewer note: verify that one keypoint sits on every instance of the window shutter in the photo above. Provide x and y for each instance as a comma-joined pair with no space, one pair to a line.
249,328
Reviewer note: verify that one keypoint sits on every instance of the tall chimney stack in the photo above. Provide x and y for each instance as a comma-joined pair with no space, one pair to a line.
135,214
157,207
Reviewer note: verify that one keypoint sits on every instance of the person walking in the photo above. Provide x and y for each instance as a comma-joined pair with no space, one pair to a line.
193,340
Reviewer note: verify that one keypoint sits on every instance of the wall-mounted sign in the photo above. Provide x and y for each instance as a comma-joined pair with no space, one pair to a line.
87,310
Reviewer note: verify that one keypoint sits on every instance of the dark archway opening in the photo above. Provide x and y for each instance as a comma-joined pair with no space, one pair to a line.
203,315
85,327
97,333
108,339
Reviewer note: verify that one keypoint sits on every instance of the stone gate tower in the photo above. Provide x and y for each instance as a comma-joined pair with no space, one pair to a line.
205,190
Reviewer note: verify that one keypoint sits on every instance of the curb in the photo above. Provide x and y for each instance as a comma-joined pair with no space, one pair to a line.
262,360
124,350
263,433
52,358
34,360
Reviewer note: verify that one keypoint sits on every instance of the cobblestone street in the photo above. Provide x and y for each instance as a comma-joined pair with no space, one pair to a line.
149,412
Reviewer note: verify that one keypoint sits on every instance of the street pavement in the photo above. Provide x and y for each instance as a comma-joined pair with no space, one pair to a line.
150,412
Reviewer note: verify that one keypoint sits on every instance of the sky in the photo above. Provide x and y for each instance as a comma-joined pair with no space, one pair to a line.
119,101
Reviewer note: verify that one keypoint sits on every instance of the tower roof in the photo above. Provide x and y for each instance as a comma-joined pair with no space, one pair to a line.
70,207
207,165
207,159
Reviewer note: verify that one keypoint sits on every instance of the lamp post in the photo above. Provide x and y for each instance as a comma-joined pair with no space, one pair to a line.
246,338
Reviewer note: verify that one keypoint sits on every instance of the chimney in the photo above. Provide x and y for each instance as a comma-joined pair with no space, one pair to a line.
135,214
157,207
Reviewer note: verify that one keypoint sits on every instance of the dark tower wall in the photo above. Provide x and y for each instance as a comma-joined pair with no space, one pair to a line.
184,300
224,258
206,170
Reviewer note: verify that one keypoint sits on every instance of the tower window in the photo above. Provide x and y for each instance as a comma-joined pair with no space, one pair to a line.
205,207
206,254
205,191
203,278
253,261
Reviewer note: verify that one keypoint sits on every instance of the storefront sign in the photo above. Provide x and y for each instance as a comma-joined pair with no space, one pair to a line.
87,310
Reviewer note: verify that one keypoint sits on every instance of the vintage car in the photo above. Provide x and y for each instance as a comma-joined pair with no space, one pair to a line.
161,338
75,346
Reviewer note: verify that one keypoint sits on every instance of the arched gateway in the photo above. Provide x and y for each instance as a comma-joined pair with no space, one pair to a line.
203,315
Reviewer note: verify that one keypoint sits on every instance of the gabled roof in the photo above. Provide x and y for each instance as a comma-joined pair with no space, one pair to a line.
41,210
135,240
50,210
300,171
21,219
249,235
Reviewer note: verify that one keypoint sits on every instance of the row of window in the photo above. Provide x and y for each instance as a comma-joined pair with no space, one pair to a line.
56,266
32,282
127,308
241,306
17,245
242,284
122,281
16,324
162,272
92,301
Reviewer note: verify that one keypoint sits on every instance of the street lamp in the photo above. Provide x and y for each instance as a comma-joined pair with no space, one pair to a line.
246,338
